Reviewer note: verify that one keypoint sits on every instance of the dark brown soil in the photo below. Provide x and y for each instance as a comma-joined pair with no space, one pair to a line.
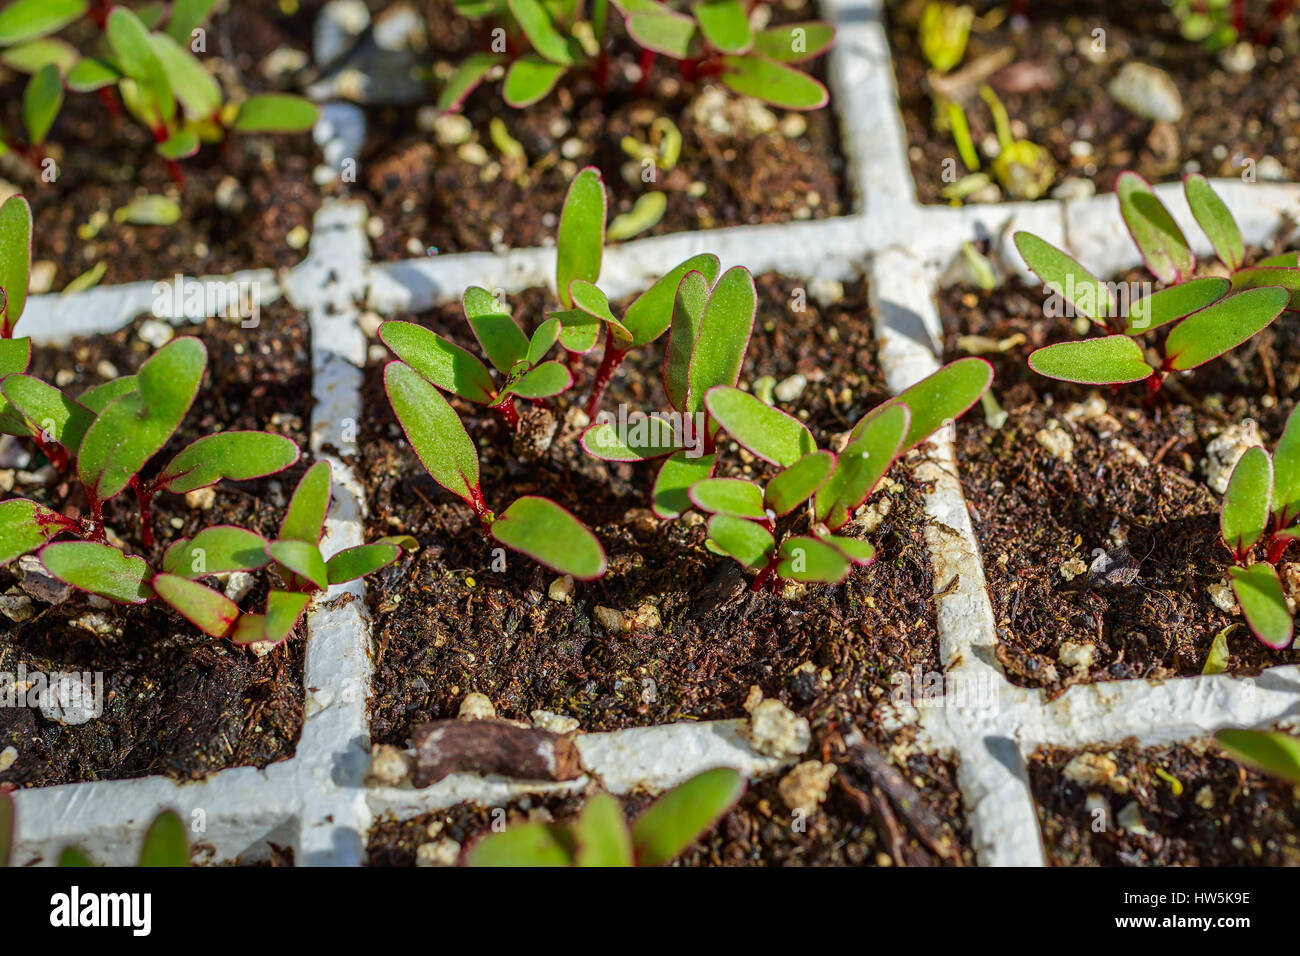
1057,94
175,701
430,199
446,624
1136,474
1198,808
104,162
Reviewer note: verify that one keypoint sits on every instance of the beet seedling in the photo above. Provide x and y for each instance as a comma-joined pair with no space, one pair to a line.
1213,315
580,244
1271,751
745,513
714,39
1263,498
600,836
160,81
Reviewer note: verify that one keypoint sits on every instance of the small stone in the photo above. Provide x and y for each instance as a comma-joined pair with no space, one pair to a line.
645,618
42,276
870,516
1077,655
473,153
155,334
1056,441
39,583
1074,187
1095,770
791,388
1147,91
1205,798
69,701
297,238
1238,58
201,499
238,585
17,607
1223,598
793,125
555,723
613,621
774,729
1094,406
97,624
452,129
826,291
282,61
1223,453
7,758
561,589
389,766
445,852
230,196
106,369
572,148
476,706
1071,568
804,788
1130,820
1270,170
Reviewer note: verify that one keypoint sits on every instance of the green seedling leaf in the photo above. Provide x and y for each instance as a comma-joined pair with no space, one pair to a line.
283,609
689,301
1288,278
195,87
441,362
352,563
728,496
813,560
276,113
1283,260
303,558
1215,221
90,74
71,858
32,56
536,23
87,280
1088,294
1259,592
1163,246
662,31
465,80
180,145
26,525
524,844
773,82
47,412
15,259
767,432
99,569
134,55
601,833
651,313
650,437
725,328
799,482
749,543
1286,473
502,341
15,356
41,101
942,397
136,425
1167,305
149,211
1246,501
581,235
857,551
591,300
873,445
670,496
186,15
725,24
210,611
304,520
216,550
6,828
236,455
1216,662
529,79
434,431
1112,360
1271,751
98,397
678,818
544,336
644,215
795,42
548,534
1221,327
28,19
165,843
579,331
548,379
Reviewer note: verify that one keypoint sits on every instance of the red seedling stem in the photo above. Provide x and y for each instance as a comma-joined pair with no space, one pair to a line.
1276,548
144,497
611,360
506,409
761,579
646,62
173,167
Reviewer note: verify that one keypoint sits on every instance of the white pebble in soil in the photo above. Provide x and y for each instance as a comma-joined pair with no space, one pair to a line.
1148,91
1223,453
774,729
69,701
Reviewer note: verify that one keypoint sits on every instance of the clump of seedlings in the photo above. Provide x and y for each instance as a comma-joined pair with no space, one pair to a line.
148,58
601,836
745,513
1263,498
1210,315
165,842
1216,24
542,42
106,436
